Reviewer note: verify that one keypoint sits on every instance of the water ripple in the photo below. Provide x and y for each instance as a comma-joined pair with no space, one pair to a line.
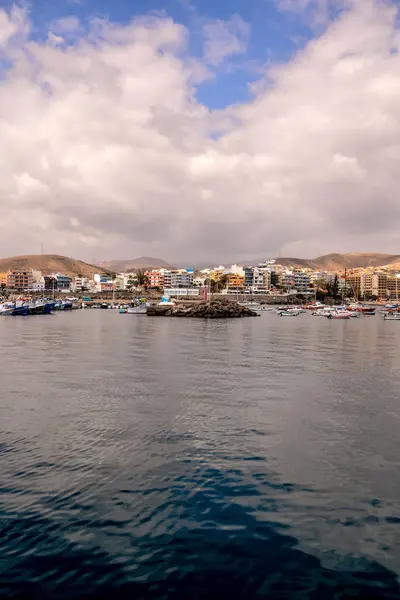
168,459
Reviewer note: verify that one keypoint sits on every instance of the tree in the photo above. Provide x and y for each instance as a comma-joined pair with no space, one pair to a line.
220,283
130,283
335,288
140,279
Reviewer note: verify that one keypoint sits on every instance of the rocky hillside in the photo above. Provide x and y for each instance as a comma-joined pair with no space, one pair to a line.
339,262
50,263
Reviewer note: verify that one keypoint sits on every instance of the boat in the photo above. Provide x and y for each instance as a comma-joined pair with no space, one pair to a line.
166,301
392,317
6,309
20,311
256,306
288,313
137,310
315,306
36,309
391,306
49,307
338,315
368,311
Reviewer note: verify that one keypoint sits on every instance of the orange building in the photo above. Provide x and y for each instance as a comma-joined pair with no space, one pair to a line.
235,280
19,280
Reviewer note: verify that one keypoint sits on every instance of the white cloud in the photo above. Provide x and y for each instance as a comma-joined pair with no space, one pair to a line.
70,24
106,152
223,39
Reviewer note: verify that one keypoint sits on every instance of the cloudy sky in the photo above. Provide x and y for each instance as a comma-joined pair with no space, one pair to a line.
199,130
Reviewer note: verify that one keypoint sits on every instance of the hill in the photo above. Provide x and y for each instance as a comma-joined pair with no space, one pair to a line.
340,262
143,262
50,263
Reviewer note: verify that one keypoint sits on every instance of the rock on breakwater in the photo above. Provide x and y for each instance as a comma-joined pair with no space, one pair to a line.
214,309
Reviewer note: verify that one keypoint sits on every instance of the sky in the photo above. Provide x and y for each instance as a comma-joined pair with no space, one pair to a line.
196,130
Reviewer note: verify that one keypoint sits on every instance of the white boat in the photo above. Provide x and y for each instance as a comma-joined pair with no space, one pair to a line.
6,309
339,315
137,310
391,317
289,313
166,301
354,314
255,306
322,312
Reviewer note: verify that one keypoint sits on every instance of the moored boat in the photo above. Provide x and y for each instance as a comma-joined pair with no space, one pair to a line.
20,311
6,309
137,310
391,317
339,315
35,309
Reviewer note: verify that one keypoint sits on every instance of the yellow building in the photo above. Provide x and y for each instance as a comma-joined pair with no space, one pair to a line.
3,278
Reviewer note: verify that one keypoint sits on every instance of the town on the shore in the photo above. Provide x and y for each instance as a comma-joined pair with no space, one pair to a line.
268,278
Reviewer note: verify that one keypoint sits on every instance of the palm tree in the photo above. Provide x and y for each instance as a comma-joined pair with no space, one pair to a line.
141,279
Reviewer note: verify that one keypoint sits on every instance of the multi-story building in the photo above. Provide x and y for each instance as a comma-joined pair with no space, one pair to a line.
3,279
235,281
165,278
156,278
181,279
374,284
19,280
257,278
63,282
393,285
297,280
353,282
80,284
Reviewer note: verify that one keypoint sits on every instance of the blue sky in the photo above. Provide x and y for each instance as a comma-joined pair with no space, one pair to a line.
274,35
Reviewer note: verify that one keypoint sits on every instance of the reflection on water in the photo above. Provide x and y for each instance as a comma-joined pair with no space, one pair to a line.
163,458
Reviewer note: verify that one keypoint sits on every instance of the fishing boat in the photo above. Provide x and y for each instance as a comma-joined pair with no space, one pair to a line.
20,311
36,308
49,307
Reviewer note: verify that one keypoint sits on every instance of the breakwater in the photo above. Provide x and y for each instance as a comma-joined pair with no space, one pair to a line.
214,309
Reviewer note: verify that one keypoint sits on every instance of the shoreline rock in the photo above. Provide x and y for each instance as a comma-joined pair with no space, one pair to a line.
214,309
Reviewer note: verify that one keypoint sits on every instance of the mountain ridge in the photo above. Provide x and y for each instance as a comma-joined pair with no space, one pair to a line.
142,262
53,263
50,263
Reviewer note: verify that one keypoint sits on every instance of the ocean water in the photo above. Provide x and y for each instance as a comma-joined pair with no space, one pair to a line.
184,459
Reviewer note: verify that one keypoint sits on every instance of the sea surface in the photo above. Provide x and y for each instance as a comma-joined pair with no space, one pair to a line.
184,459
